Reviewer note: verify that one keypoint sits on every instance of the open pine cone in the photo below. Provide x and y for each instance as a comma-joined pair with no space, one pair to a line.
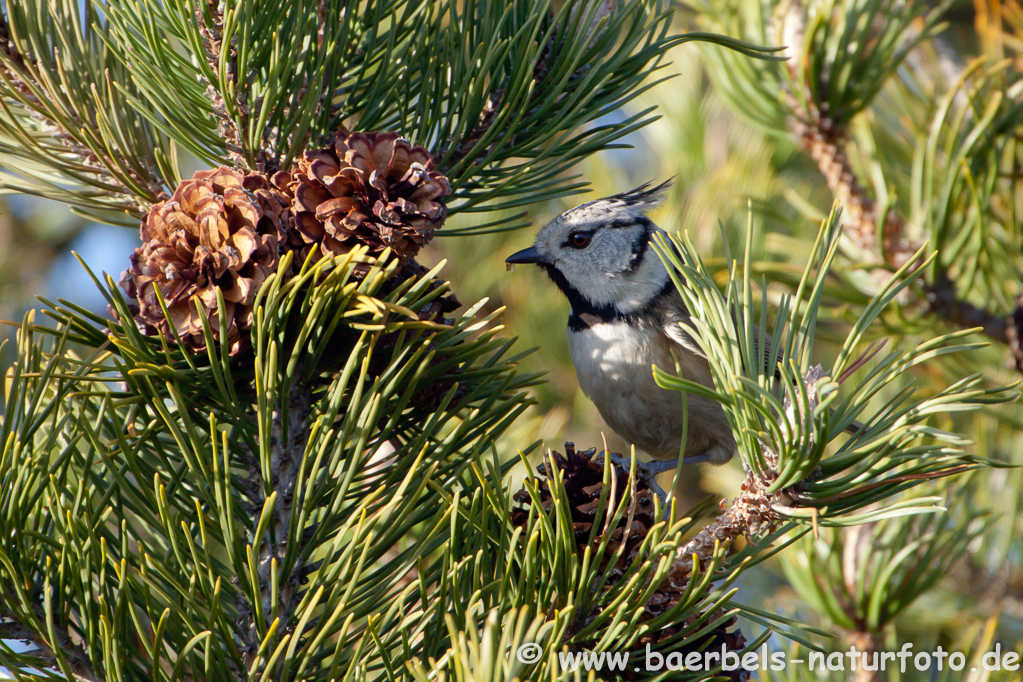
221,229
366,188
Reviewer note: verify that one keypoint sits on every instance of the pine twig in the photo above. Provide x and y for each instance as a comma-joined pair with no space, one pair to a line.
824,140
16,71
942,301
754,511
286,451
750,513
212,42
824,143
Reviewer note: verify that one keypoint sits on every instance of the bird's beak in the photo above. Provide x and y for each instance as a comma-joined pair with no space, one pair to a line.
530,255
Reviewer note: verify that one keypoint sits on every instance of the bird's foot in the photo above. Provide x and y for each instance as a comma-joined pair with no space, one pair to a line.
646,472
696,459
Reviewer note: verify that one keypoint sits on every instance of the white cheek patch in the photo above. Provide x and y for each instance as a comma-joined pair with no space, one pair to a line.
611,272
635,291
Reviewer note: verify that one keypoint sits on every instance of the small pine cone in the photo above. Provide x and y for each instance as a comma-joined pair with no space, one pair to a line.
366,188
220,230
583,479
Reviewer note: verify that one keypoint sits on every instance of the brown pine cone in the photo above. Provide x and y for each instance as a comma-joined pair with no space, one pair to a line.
366,188
220,230
583,480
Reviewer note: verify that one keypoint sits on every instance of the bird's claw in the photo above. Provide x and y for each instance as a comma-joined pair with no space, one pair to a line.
646,472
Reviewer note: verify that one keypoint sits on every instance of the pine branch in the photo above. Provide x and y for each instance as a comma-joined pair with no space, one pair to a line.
818,115
825,147
210,29
825,141
289,438
820,129
54,118
841,56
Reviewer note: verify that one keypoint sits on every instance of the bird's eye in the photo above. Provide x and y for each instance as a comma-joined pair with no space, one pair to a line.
580,240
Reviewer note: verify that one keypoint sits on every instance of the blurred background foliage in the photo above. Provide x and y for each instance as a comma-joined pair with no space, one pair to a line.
730,169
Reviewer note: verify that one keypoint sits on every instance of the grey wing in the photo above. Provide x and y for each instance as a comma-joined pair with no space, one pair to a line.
672,313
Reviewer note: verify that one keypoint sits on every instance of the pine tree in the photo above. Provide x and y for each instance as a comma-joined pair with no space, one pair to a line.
288,451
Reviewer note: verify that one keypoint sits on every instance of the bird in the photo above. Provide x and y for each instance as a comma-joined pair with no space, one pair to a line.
626,316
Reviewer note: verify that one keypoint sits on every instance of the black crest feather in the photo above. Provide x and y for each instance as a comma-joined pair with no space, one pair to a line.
644,195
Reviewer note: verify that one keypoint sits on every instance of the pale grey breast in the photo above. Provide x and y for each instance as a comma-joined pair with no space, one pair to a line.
614,360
